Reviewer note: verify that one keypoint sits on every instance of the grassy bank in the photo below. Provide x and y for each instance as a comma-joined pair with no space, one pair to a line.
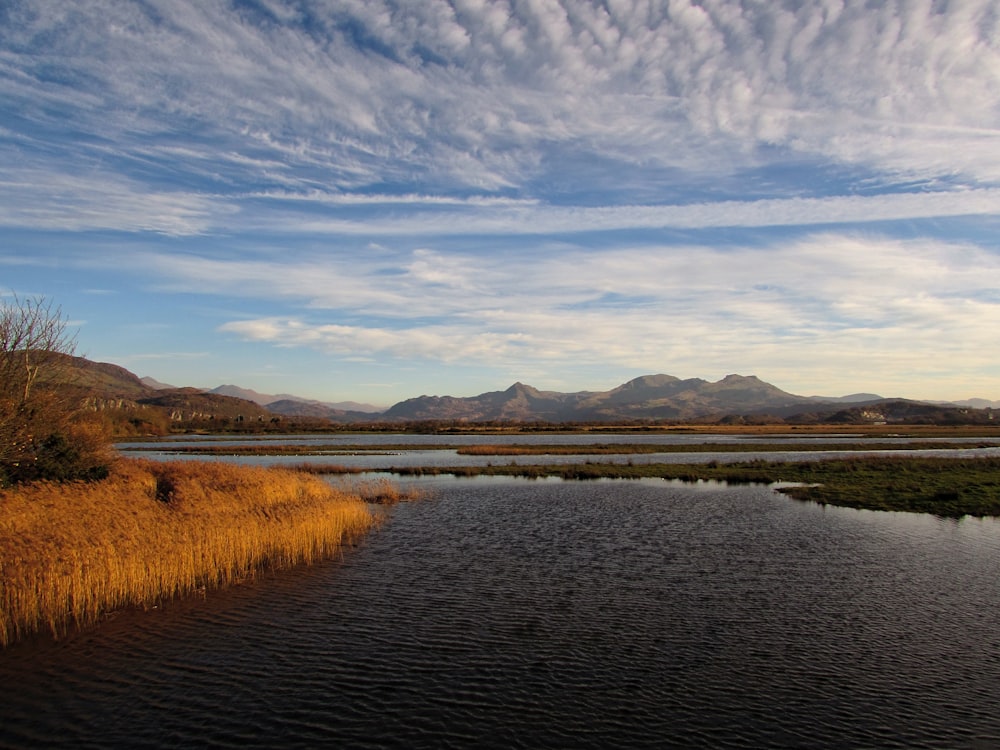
943,486
71,552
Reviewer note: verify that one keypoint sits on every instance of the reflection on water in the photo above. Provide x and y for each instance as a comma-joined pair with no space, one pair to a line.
512,613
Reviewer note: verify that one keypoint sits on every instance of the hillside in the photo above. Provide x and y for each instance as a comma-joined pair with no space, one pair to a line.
132,406
99,379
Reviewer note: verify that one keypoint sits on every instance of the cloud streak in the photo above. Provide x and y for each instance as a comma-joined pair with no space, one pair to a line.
83,203
719,214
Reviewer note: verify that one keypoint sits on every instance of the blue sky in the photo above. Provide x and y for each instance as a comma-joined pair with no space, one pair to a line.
375,200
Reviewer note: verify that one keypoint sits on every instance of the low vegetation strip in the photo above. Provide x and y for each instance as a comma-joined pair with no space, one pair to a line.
527,449
71,552
950,487
283,449
741,447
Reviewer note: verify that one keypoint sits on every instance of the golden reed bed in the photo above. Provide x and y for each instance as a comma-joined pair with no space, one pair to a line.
151,531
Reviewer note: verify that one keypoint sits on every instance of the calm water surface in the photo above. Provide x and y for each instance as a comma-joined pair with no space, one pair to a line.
516,613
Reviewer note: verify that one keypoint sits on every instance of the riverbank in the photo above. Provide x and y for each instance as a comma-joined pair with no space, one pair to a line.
72,552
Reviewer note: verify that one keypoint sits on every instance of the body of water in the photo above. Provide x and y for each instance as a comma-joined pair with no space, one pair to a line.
514,613
374,451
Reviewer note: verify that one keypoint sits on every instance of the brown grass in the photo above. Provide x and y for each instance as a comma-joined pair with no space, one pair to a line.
321,469
71,552
517,450
381,490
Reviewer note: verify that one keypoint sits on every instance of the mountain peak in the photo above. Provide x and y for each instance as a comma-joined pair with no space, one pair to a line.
650,381
520,388
155,384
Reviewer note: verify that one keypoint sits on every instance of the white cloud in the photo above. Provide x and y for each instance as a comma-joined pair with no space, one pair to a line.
383,199
447,344
847,303
37,198
546,219
840,272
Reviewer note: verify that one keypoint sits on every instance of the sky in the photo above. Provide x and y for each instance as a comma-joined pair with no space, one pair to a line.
371,200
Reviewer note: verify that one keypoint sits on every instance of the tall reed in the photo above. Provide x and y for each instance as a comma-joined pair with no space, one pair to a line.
150,531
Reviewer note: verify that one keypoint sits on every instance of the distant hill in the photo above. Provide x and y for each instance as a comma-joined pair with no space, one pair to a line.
853,398
271,401
898,411
245,393
978,403
668,397
156,384
319,410
519,402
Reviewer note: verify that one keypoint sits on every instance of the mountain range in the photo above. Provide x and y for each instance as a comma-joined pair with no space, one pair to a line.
735,398
650,398
295,405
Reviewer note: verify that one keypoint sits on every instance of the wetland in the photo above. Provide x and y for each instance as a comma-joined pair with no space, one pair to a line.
508,611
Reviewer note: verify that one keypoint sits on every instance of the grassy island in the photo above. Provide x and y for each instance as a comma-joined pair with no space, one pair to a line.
71,552
950,487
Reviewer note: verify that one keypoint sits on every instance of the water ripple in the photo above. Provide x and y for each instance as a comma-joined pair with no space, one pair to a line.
510,613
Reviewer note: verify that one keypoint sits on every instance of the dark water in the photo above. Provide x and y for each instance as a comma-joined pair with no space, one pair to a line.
510,613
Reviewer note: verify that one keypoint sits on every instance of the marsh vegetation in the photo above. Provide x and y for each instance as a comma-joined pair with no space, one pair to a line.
71,552
742,447
275,448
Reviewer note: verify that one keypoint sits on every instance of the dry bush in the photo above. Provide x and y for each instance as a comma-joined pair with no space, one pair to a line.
70,552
